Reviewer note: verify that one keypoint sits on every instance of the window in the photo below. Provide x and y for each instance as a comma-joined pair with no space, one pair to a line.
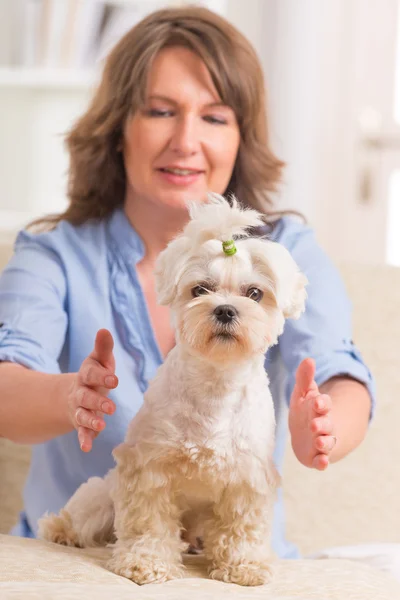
393,221
397,72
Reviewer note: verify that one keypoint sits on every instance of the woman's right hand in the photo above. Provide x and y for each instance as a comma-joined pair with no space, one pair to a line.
87,399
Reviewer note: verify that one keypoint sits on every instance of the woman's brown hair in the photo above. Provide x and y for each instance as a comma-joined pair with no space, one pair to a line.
96,184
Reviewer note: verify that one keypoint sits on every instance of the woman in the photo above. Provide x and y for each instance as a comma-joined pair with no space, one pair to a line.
180,110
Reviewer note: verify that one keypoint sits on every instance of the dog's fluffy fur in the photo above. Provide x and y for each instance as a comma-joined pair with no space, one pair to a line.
199,452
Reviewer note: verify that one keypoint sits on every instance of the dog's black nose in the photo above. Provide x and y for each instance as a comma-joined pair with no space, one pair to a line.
225,313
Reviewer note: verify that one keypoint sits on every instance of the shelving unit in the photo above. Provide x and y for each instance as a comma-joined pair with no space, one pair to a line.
39,104
44,78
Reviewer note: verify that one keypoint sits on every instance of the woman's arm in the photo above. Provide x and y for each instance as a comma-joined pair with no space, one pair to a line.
36,407
33,392
33,406
37,401
351,408
327,423
330,421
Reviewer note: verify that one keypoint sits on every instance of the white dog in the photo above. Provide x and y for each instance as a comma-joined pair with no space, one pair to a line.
200,448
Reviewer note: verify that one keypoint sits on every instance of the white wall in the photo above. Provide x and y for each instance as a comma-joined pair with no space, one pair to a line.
305,79
326,61
302,45
33,162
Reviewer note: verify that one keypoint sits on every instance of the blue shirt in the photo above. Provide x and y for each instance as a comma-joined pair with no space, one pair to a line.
61,286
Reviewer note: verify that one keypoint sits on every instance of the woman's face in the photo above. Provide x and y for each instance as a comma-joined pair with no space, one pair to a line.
184,141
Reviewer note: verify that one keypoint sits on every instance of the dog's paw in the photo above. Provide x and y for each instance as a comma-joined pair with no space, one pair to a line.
245,573
58,529
144,568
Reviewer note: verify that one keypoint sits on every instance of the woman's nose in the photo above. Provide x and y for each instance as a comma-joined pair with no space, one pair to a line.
185,139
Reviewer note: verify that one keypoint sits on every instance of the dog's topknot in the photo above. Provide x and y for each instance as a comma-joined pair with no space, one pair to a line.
220,219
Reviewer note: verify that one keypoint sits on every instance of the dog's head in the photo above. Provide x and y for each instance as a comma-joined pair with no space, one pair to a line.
226,305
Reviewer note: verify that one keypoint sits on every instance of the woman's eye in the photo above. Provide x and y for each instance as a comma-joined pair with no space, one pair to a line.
155,112
199,290
254,294
215,120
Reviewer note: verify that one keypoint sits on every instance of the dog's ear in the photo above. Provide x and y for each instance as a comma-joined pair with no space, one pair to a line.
296,296
289,283
169,267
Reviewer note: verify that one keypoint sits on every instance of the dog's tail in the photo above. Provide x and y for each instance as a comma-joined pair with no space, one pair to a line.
220,219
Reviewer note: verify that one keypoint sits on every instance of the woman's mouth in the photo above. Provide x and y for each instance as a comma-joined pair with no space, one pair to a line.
180,176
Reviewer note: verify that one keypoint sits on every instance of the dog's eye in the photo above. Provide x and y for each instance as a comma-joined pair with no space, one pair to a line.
199,290
254,294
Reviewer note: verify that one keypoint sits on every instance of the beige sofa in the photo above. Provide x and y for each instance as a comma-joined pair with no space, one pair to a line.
354,502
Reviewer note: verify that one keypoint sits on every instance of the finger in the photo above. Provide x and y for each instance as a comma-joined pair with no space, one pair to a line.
322,404
325,444
305,376
312,395
93,375
103,349
92,400
86,418
320,462
86,437
322,425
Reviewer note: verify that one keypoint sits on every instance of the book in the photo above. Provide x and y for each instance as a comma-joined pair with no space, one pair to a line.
70,34
87,26
54,14
29,33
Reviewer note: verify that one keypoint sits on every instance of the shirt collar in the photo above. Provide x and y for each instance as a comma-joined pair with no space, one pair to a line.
125,237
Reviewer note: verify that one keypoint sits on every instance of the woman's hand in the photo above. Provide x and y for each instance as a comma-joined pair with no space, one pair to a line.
87,399
310,420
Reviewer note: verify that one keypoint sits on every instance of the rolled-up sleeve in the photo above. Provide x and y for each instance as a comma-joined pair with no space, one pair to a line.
324,331
33,320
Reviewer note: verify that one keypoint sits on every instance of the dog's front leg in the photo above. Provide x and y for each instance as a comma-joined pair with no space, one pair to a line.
148,547
236,537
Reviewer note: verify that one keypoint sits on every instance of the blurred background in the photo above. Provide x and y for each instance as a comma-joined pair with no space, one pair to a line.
332,69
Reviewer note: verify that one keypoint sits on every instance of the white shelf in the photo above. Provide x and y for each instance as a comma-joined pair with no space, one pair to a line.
20,77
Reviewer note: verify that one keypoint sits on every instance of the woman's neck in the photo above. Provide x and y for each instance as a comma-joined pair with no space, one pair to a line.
156,225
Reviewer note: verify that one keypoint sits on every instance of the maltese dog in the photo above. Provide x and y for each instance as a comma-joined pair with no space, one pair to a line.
198,454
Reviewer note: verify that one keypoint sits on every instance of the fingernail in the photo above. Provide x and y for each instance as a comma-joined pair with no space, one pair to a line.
110,381
106,407
321,405
98,424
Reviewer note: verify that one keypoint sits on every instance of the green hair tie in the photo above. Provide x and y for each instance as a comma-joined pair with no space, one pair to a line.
229,247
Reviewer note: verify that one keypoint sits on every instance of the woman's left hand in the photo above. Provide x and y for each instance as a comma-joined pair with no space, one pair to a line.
310,420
